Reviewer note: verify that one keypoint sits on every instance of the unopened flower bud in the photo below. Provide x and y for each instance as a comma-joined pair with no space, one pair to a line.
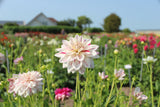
142,42
115,51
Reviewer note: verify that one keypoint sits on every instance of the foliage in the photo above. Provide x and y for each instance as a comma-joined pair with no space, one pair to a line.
83,21
112,23
47,29
94,30
10,24
126,30
68,22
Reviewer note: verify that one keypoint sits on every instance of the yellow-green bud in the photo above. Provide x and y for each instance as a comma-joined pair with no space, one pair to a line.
142,42
115,51
15,98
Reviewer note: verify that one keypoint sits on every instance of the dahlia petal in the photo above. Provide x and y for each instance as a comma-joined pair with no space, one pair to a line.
77,64
80,57
82,70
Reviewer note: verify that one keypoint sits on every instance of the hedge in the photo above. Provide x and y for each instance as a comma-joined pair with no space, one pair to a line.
47,29
94,30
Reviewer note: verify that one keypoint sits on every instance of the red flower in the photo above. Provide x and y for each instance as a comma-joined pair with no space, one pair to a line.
158,44
5,37
134,46
136,50
151,46
2,33
145,47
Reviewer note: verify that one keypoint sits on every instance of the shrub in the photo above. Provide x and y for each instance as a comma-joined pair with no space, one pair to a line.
126,30
10,24
94,30
47,29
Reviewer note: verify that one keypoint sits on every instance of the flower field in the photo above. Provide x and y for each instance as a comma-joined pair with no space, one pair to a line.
45,70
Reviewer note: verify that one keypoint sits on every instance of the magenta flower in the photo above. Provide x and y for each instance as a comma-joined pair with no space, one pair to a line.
102,75
139,95
77,54
18,60
61,94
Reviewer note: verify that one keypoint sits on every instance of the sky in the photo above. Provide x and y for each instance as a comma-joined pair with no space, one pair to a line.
134,14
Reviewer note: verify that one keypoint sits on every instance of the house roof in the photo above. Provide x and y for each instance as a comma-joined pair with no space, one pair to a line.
52,19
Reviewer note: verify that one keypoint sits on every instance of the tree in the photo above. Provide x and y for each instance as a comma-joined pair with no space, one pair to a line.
68,22
126,30
10,24
83,21
112,23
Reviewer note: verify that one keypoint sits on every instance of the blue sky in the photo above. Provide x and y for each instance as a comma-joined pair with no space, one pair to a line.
134,14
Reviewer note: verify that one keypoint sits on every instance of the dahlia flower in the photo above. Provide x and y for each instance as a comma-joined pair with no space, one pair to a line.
139,95
119,74
102,75
128,66
149,59
17,60
77,54
2,58
61,94
26,84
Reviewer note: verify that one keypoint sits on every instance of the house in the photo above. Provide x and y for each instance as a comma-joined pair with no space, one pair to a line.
42,20
155,31
20,23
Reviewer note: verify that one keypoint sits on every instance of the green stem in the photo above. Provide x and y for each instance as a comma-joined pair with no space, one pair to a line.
118,94
115,65
130,93
48,83
110,93
159,101
19,102
77,89
151,85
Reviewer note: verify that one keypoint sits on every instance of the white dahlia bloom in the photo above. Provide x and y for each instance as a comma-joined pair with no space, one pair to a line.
119,74
139,95
149,59
77,54
128,66
26,84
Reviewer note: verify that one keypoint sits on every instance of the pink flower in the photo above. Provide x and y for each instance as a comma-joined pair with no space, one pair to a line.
26,84
102,75
134,46
136,50
61,94
145,47
119,74
139,95
151,47
152,40
158,44
77,54
2,58
143,38
17,60
106,46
